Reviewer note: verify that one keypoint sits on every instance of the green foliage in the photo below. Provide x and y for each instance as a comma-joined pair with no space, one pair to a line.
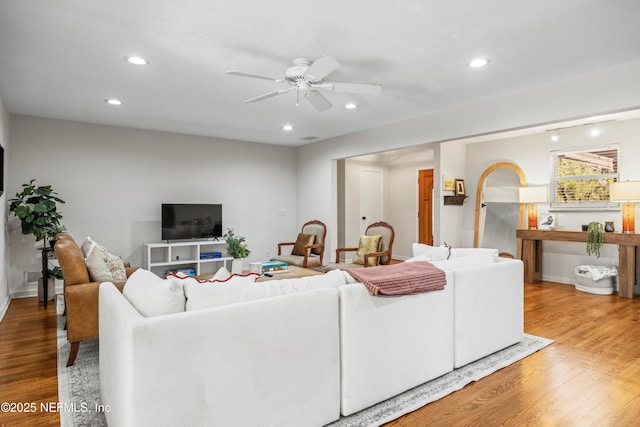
595,238
236,246
55,272
37,209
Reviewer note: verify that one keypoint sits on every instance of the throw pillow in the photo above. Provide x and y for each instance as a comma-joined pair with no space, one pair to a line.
221,274
153,296
104,266
87,246
302,241
462,252
465,262
430,253
367,245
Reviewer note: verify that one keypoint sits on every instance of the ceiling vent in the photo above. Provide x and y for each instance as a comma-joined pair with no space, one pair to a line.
309,138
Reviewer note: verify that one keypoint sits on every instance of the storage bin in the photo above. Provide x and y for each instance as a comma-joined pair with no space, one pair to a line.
585,283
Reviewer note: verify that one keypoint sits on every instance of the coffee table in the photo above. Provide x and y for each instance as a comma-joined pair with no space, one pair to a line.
293,273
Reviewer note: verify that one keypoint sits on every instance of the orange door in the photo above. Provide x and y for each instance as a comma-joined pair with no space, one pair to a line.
425,206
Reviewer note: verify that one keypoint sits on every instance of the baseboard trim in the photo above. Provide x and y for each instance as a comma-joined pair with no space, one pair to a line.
4,307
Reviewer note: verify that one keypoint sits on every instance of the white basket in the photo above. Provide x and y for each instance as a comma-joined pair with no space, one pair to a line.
585,283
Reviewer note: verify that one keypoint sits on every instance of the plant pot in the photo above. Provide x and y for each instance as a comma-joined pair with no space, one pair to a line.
236,266
51,291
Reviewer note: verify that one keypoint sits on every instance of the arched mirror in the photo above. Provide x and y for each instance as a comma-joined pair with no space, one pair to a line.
498,210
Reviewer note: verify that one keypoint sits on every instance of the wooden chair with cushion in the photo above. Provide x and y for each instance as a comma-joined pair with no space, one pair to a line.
308,249
374,248
80,293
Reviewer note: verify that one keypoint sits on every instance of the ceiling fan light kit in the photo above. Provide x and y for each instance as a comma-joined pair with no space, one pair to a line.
306,78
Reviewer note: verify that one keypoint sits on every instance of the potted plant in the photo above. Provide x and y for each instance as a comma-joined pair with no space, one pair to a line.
595,238
237,249
55,273
53,231
37,209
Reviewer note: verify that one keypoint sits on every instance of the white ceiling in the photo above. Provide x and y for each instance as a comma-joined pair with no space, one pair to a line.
63,58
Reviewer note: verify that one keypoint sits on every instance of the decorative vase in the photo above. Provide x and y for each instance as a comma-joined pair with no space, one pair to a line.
236,266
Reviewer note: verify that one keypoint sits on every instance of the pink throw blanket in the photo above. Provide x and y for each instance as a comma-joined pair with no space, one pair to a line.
406,278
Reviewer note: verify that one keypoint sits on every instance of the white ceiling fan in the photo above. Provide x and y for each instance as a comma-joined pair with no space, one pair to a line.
305,77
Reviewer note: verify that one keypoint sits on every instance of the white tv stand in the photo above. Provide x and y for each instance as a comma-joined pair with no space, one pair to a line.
160,257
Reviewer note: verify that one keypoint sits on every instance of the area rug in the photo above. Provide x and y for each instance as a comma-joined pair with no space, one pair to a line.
79,386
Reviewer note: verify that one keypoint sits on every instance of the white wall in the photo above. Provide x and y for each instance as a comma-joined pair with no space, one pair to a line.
4,233
403,199
607,91
452,164
353,221
532,153
114,180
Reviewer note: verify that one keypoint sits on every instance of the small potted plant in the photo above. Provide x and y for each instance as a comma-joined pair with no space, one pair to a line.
237,249
37,209
53,231
595,238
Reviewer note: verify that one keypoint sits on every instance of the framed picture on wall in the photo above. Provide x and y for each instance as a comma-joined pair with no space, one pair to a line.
448,184
460,187
547,221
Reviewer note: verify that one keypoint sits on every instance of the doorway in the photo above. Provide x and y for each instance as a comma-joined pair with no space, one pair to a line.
370,198
425,206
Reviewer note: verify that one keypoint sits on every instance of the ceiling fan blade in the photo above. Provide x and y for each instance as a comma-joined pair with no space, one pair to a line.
269,95
357,88
318,100
253,76
321,67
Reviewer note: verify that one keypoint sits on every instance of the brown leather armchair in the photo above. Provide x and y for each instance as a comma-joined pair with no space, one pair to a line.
80,294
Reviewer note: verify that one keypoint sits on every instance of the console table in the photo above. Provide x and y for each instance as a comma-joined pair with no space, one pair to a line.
529,247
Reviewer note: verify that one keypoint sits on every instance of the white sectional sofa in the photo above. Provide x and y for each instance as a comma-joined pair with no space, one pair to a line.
298,351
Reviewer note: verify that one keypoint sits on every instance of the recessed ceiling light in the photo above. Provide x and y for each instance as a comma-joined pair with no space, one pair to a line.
113,101
350,106
287,128
555,137
595,132
136,60
480,62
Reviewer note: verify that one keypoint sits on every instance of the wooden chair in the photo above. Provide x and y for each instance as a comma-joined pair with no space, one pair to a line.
309,254
384,255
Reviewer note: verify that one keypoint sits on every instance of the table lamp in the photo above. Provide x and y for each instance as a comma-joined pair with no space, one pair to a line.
531,196
626,191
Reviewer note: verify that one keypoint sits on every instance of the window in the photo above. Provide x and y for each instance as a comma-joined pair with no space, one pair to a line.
580,179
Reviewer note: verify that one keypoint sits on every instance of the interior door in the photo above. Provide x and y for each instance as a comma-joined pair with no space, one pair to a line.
425,206
370,198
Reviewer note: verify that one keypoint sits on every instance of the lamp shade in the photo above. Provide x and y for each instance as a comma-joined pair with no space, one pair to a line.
533,194
624,191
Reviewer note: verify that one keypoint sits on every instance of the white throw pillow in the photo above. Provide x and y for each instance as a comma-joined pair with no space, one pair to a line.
465,262
221,274
153,296
104,266
429,253
462,252
87,246
207,295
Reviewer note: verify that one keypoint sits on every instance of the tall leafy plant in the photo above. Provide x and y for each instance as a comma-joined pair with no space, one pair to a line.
37,209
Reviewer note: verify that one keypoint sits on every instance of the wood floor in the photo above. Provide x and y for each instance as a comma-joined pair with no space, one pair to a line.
590,376
28,363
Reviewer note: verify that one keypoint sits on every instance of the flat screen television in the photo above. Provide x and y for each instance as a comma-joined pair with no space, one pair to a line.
191,221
